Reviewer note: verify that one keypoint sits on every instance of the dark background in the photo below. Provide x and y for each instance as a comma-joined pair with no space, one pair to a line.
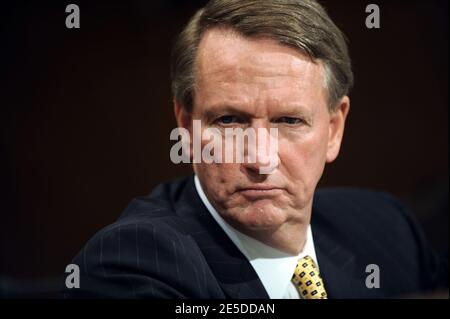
85,117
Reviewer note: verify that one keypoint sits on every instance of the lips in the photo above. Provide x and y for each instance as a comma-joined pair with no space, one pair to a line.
260,191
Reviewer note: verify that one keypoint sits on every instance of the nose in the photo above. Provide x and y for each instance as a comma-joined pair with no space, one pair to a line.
261,153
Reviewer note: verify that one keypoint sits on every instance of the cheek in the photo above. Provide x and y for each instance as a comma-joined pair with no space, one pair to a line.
219,175
217,178
304,158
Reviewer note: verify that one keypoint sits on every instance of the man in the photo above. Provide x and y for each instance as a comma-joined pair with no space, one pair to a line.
231,231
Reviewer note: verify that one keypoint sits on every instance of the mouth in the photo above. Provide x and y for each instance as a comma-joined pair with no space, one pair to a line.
259,191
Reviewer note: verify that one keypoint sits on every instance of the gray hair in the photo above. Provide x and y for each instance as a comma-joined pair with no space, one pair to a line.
301,24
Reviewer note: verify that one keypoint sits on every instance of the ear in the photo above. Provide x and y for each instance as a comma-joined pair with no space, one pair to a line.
183,117
184,120
336,128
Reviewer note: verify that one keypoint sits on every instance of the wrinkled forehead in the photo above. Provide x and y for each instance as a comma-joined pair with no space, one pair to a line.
227,58
223,50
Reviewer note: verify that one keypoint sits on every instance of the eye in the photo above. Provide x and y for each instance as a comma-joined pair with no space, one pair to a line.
227,119
289,120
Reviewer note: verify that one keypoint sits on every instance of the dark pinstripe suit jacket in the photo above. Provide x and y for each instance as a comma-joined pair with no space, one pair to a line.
167,245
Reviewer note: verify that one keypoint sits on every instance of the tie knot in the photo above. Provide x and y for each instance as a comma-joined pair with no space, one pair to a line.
307,279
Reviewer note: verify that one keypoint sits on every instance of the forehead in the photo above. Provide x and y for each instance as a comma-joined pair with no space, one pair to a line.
230,64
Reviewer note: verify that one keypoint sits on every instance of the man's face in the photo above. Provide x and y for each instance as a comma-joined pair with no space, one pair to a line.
257,83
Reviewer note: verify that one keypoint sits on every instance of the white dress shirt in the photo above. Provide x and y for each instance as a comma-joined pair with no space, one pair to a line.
273,267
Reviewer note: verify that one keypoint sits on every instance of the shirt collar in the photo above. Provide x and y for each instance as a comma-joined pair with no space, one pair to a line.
274,267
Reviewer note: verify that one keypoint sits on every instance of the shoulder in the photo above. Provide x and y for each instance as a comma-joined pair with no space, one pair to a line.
362,205
371,223
151,215
377,226
358,197
154,212
141,255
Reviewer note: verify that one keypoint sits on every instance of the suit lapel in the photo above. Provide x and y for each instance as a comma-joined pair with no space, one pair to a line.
336,268
343,275
234,272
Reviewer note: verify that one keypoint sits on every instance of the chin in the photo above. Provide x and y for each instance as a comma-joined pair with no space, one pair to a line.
259,215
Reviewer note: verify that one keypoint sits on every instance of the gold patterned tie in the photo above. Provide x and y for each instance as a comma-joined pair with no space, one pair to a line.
307,280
